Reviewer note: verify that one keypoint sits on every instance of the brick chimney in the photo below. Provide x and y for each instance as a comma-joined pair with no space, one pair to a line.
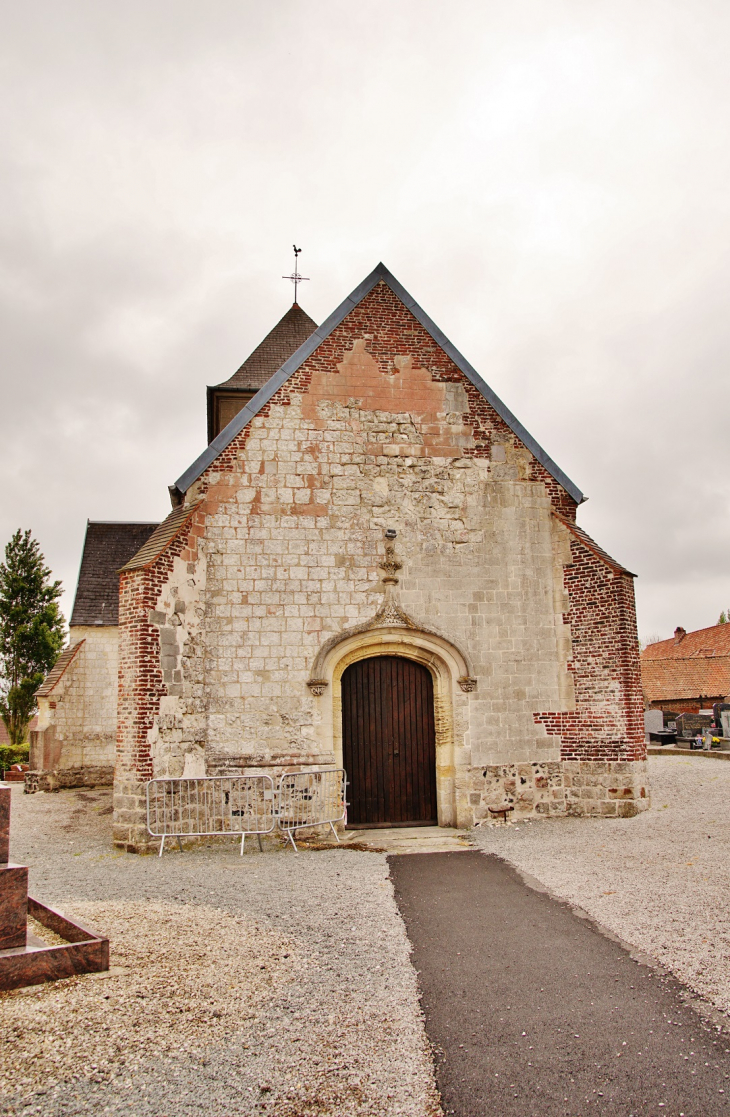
679,634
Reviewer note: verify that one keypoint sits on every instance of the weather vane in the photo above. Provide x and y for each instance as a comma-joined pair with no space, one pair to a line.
295,277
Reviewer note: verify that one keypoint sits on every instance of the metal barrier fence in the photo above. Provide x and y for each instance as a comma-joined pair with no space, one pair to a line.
210,806
311,799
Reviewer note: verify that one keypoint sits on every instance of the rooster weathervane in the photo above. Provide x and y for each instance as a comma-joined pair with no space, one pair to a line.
295,277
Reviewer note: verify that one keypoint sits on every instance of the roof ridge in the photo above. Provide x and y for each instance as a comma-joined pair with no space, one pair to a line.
701,640
379,274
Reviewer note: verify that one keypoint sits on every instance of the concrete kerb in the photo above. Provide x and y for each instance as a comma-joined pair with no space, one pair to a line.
664,750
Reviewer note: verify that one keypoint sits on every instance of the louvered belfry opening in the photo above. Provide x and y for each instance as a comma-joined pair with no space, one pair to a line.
389,742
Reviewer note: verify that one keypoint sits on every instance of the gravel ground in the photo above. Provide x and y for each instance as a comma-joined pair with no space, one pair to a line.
268,984
660,881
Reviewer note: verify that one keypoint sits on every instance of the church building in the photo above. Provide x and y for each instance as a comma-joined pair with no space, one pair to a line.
373,565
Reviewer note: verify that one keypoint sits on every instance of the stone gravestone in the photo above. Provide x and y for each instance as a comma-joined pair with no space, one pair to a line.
653,721
690,724
26,959
13,885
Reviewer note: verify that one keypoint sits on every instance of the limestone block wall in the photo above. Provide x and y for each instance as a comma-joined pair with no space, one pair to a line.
593,788
74,743
280,554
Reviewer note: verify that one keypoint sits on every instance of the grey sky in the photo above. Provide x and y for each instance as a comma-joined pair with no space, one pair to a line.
550,181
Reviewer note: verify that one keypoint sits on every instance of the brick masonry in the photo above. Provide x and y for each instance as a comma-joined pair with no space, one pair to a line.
377,429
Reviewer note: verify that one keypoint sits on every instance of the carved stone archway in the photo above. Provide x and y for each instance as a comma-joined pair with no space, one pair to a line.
452,677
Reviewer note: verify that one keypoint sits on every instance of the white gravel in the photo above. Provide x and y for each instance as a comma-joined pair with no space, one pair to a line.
660,881
189,1022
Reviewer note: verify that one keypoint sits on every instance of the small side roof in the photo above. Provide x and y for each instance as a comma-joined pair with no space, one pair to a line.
583,537
290,366
107,546
58,669
161,537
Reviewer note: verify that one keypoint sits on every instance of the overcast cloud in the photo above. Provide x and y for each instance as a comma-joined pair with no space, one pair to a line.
550,181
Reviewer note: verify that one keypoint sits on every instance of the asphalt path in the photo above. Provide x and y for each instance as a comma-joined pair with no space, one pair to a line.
534,1012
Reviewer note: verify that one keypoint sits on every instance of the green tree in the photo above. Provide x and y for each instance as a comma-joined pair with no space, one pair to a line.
32,631
724,617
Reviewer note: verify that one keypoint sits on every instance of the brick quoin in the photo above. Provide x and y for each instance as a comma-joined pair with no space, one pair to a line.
608,724
141,685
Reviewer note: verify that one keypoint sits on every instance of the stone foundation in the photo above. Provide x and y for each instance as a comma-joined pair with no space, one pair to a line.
60,779
567,788
130,818
585,788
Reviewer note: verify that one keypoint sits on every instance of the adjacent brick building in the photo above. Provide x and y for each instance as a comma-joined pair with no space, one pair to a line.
689,672
374,562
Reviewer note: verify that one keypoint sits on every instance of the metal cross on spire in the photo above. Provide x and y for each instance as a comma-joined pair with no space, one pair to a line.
295,277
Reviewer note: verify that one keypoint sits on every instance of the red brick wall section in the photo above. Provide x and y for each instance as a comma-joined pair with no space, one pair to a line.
392,332
608,722
141,684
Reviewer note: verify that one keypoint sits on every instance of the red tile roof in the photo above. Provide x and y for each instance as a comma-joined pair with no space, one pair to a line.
695,666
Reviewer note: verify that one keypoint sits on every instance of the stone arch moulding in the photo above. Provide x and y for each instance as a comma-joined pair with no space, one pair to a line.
453,678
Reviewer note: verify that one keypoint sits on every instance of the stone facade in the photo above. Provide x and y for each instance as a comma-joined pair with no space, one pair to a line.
75,740
239,616
604,788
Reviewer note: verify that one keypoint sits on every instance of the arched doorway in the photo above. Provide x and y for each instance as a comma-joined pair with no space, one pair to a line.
389,742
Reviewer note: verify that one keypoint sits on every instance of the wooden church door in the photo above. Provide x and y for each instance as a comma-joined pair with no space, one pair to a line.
389,742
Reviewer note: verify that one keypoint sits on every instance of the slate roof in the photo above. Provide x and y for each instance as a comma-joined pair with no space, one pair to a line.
278,345
591,544
697,666
107,547
161,537
305,350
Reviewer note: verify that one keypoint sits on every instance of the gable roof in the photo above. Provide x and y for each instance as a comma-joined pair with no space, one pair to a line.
287,335
107,546
697,666
290,366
